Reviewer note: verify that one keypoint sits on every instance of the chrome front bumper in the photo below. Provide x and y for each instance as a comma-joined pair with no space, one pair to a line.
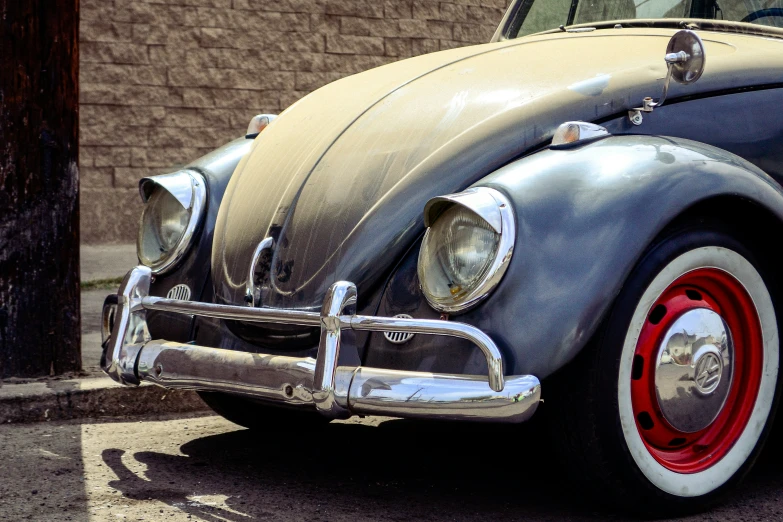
130,357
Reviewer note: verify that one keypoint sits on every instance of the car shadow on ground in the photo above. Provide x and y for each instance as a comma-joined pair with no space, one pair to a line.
398,470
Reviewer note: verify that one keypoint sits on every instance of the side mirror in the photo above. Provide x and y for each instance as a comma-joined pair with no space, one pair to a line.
685,59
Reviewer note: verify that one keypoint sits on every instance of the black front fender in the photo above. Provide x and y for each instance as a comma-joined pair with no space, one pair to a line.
585,217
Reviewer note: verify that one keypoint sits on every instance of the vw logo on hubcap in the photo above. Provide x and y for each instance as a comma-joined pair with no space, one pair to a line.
709,368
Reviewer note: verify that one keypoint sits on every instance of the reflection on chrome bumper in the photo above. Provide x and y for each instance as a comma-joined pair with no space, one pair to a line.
130,357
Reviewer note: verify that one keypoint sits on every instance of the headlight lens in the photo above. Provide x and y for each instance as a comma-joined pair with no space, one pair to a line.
463,256
174,204
163,223
456,254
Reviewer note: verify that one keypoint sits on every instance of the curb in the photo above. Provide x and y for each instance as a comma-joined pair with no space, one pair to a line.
90,398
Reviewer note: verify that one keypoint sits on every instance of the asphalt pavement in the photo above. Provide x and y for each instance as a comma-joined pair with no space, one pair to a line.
206,469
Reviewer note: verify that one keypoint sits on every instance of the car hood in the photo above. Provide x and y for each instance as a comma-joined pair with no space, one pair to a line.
340,179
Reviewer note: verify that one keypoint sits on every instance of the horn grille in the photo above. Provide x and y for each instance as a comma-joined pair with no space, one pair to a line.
399,337
180,292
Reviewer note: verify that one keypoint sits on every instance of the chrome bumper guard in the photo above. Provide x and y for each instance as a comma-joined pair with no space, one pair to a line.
130,357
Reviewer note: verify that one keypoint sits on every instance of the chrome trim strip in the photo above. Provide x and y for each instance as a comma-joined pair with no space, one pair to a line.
231,312
363,391
356,322
495,208
436,327
131,357
448,397
177,184
193,367
250,286
340,297
120,359
480,200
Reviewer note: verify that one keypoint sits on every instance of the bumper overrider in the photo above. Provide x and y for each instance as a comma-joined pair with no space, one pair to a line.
130,357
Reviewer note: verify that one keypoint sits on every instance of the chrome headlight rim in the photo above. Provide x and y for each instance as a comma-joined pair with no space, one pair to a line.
493,207
187,186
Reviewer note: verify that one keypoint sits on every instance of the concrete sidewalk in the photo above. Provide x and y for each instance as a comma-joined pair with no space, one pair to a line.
106,261
92,394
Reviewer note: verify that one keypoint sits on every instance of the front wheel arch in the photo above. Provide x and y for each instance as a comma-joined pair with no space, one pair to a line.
579,418
757,224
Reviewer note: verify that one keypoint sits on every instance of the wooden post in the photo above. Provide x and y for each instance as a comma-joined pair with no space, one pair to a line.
39,188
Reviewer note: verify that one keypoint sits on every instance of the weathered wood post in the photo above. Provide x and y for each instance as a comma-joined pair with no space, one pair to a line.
39,188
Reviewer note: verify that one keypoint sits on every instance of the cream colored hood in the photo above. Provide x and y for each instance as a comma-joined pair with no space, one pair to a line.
339,180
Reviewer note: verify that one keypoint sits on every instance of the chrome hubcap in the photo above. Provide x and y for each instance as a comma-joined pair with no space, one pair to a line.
694,370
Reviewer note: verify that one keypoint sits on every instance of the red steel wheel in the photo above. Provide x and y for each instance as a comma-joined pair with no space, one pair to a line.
696,370
672,404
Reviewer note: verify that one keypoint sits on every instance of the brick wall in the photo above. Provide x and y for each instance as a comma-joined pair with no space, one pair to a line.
164,81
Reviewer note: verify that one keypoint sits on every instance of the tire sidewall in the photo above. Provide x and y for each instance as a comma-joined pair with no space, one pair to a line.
615,355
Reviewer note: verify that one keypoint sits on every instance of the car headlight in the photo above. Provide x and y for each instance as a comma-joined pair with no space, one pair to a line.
466,249
174,204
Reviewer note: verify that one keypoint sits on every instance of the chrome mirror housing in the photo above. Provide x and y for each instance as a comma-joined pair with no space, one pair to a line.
684,59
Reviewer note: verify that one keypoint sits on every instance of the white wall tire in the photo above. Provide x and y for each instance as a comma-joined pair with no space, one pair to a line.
707,481
592,404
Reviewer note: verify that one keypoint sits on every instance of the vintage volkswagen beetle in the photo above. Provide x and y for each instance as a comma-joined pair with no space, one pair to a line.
435,237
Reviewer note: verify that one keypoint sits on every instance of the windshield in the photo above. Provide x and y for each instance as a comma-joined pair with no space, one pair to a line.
534,16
